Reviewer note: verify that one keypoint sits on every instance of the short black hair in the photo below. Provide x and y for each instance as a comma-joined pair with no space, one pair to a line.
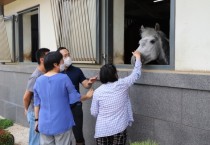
52,58
61,48
108,73
40,53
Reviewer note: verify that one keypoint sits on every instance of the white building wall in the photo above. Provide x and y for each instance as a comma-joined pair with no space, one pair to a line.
192,38
118,31
47,36
192,33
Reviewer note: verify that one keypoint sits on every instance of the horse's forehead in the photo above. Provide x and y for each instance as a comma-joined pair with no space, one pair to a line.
148,32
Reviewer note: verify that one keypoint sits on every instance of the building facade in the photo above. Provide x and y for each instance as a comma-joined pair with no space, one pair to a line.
170,102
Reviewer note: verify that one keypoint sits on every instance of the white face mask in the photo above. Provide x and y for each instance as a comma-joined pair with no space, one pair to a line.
62,67
67,61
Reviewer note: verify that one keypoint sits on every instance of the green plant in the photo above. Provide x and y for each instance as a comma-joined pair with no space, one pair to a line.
6,138
5,123
148,142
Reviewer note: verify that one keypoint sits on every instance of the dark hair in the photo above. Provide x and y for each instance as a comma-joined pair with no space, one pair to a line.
40,53
52,58
108,73
61,48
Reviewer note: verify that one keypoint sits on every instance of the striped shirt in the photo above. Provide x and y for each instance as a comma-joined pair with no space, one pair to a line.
111,105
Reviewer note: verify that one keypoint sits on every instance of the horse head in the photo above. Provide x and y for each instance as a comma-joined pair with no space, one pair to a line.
153,46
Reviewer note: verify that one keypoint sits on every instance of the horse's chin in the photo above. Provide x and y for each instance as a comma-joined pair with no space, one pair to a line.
143,61
133,60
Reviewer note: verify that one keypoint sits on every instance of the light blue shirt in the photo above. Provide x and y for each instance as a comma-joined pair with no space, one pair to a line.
54,94
111,105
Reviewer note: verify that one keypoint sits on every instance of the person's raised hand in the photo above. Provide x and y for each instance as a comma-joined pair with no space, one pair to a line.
137,54
92,80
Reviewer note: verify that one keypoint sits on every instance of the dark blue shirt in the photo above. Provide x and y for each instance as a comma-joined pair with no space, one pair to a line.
76,75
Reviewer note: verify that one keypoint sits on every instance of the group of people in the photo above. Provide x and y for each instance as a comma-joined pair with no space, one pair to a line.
53,103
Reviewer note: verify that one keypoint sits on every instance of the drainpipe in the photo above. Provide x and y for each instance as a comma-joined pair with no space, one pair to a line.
1,9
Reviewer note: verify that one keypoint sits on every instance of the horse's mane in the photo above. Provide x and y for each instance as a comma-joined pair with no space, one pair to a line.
165,44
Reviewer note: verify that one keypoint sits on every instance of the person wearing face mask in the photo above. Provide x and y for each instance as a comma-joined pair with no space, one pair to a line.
77,77
53,93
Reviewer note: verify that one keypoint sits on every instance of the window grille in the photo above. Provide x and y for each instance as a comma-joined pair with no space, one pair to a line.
75,28
5,54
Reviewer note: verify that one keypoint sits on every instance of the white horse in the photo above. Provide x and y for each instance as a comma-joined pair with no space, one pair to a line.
153,46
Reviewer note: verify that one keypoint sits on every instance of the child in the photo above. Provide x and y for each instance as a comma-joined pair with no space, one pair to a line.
111,104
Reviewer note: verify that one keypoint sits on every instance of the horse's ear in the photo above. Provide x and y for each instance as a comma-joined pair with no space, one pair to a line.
157,27
142,29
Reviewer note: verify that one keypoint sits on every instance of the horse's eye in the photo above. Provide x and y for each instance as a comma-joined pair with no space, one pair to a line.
152,41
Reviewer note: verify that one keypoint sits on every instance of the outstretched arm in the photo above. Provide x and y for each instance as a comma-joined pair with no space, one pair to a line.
88,95
136,73
88,82
74,96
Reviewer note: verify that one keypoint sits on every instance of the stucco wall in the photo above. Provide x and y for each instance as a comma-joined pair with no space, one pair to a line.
192,39
192,35
47,36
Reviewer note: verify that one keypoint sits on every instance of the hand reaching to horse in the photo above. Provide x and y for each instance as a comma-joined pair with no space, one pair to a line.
137,54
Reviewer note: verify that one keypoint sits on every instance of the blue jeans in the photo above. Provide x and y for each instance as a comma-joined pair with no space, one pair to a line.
33,136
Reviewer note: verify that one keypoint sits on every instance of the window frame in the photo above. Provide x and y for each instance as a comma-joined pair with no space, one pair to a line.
13,53
20,29
109,38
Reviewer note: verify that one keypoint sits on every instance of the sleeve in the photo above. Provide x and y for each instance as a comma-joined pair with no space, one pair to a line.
81,76
30,85
94,110
37,100
136,73
74,96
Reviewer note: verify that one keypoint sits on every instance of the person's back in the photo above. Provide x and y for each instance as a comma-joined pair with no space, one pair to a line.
55,100
53,94
111,104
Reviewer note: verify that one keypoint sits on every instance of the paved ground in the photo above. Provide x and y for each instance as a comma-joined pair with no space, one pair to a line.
20,133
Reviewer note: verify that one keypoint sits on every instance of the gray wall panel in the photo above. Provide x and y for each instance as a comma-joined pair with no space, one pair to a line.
196,109
141,129
20,116
169,107
157,102
1,107
10,111
168,133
